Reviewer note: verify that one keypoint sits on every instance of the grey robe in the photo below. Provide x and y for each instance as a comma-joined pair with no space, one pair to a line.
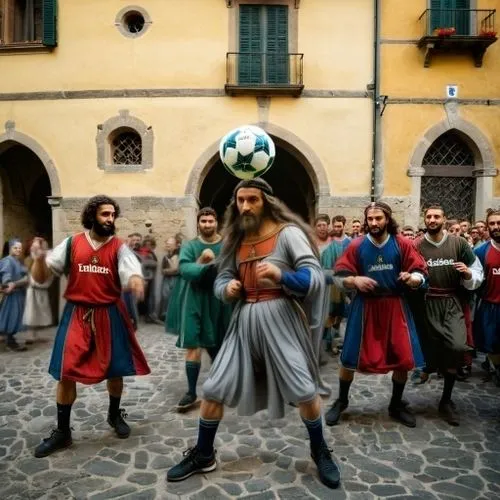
268,357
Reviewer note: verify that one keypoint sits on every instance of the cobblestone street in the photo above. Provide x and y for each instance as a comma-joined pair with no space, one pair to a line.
258,458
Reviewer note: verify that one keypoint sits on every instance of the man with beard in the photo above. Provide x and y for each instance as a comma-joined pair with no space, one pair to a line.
195,314
487,318
380,335
321,226
356,229
95,340
269,264
338,231
452,267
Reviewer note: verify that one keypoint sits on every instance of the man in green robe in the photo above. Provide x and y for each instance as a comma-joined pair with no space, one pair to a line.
194,313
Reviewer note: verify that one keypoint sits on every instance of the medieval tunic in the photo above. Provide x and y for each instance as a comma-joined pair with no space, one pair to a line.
487,318
380,333
12,306
38,311
95,339
444,332
267,358
194,313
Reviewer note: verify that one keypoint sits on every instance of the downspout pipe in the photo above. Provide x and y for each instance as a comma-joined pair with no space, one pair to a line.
377,181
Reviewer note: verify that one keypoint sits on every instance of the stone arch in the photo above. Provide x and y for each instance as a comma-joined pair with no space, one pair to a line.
484,169
283,138
12,135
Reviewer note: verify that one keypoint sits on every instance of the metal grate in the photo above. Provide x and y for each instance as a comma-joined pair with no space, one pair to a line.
449,150
454,194
127,149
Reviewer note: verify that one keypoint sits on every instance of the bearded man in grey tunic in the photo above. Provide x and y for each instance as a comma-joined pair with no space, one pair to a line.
270,266
453,269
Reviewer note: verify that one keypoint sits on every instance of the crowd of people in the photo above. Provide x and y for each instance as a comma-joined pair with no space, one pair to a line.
266,297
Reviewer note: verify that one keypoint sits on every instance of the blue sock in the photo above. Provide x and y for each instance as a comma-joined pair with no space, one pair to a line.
192,372
315,429
206,436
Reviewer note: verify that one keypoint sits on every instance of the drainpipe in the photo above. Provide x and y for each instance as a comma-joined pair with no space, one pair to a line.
377,180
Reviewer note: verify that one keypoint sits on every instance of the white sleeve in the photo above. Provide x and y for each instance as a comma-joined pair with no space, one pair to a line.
477,278
128,265
56,259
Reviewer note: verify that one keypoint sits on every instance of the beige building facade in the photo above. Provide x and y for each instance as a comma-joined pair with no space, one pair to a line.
133,102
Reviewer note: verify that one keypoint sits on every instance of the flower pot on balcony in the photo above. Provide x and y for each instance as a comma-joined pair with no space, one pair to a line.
488,33
445,32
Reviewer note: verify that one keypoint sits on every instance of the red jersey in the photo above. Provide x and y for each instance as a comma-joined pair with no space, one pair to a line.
490,259
93,275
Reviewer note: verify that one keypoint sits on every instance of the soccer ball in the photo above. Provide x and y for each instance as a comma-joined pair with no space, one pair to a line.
247,152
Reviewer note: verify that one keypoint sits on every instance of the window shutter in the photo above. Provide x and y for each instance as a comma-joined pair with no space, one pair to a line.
462,18
277,44
49,23
250,67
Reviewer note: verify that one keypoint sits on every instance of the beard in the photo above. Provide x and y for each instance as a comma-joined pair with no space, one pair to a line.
103,229
434,230
250,223
495,236
207,233
377,231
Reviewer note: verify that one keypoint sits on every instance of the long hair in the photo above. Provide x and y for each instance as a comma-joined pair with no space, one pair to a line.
274,209
89,212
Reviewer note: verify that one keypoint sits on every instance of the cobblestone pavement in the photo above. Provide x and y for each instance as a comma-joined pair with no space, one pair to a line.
258,458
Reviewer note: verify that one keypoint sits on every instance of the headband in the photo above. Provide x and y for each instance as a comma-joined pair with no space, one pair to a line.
380,205
254,183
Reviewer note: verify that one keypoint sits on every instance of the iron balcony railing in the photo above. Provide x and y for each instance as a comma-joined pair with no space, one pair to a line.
264,69
459,22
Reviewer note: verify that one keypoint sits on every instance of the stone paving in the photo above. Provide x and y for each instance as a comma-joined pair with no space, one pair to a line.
258,458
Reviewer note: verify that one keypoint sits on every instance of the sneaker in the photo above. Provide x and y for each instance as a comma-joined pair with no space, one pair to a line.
419,377
14,346
58,440
463,373
186,402
449,412
328,471
399,411
193,463
332,416
119,425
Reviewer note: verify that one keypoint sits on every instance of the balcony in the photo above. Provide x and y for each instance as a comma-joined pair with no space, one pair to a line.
457,31
264,74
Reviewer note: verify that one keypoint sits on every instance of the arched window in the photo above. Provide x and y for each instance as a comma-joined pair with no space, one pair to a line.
126,147
448,179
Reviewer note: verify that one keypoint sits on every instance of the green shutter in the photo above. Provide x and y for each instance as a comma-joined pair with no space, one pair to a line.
49,23
277,44
250,67
452,18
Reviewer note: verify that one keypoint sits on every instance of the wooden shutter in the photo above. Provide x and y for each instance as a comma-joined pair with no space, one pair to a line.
49,23
277,44
462,18
250,66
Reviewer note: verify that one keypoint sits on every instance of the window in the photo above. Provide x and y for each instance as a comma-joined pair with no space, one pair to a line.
126,147
263,44
451,14
124,144
448,178
27,22
132,21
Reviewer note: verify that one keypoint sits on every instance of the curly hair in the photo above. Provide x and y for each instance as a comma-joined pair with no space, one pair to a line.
89,212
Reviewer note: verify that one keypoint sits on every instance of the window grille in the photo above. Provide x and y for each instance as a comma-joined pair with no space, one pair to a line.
127,149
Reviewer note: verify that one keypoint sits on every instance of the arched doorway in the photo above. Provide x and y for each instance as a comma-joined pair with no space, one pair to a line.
288,177
25,189
448,175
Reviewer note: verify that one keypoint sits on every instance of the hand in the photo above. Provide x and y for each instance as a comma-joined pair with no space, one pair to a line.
409,280
233,289
136,286
206,256
463,269
38,248
365,284
266,270
9,288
